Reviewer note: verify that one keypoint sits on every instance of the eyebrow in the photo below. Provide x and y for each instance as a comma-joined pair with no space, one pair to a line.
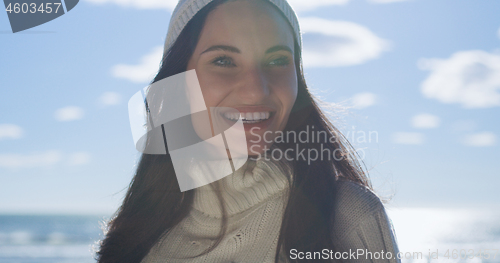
279,48
223,48
236,50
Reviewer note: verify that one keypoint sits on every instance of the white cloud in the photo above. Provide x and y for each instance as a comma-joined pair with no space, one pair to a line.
385,1
470,78
364,100
70,113
482,139
298,5
330,43
142,72
30,160
408,138
140,4
110,98
43,159
303,5
79,158
425,121
10,131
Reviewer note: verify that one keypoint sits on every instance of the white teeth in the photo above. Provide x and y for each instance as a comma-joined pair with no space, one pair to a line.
249,117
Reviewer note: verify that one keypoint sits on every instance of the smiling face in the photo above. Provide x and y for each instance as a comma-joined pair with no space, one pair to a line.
244,60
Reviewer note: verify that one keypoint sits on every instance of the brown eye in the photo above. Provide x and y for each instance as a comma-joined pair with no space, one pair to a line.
224,61
280,62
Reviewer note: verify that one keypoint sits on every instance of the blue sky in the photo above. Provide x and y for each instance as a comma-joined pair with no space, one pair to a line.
423,74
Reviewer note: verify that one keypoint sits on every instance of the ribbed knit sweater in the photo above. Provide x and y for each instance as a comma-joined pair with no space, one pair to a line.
254,198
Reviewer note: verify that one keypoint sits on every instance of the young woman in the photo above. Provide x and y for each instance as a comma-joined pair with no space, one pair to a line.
296,198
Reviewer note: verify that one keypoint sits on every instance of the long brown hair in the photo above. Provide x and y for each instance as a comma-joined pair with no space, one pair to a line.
154,203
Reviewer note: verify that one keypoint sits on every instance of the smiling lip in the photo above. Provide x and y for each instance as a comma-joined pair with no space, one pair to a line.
256,116
248,117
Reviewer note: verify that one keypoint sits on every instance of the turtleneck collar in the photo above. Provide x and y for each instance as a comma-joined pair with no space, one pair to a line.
253,183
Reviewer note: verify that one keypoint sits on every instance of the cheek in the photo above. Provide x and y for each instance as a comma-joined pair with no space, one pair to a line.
286,89
214,89
287,98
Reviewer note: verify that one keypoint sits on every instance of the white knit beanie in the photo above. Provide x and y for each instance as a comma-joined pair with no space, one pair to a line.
187,9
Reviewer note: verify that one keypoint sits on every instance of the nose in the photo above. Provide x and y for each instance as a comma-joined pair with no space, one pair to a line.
254,87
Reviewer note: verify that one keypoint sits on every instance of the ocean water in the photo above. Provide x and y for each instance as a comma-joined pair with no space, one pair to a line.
447,235
424,235
55,239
